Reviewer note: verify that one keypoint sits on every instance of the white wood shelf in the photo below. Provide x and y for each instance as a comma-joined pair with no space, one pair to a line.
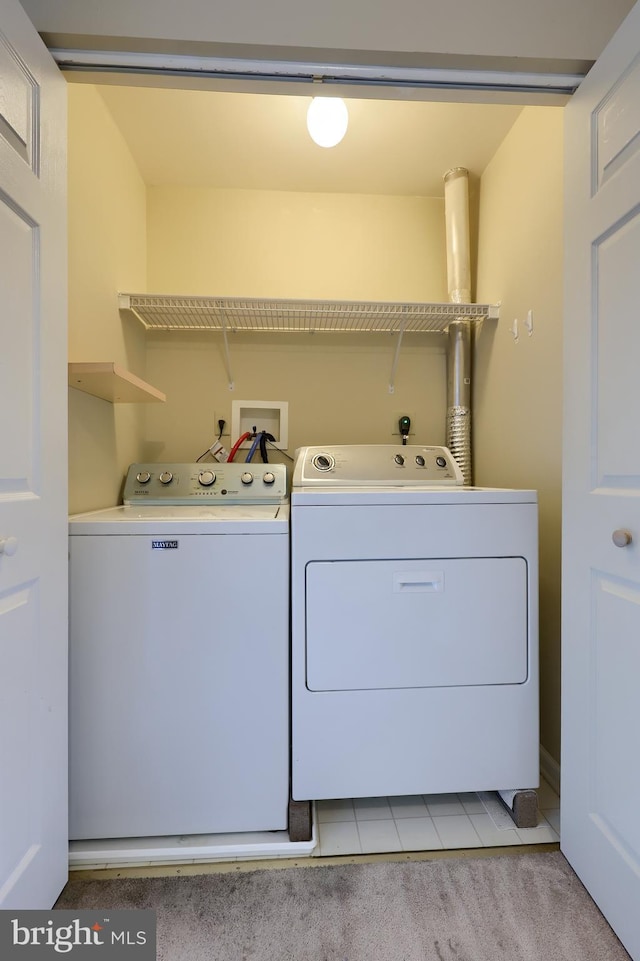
113,383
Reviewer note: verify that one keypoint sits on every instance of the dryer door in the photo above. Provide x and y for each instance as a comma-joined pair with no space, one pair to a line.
376,624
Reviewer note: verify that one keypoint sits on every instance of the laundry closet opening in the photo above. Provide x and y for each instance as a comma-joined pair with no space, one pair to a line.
223,193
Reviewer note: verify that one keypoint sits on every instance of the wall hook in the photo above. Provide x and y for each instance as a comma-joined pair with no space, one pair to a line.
529,322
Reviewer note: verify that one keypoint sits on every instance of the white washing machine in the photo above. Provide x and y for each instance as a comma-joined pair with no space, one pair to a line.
179,655
414,627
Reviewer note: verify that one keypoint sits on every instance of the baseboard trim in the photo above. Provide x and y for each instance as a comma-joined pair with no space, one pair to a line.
550,769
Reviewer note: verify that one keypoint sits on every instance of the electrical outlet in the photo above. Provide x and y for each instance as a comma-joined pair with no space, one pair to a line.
395,429
226,432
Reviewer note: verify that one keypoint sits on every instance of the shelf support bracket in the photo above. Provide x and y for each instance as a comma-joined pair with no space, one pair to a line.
227,355
396,357
124,303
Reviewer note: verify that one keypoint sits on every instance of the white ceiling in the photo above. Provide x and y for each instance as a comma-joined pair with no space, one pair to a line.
564,29
201,138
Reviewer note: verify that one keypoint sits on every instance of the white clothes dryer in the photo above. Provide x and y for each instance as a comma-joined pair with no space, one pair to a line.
414,627
179,655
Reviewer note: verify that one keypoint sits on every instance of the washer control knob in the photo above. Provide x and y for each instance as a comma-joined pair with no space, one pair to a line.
419,460
399,459
165,477
143,477
323,462
246,478
206,478
269,477
441,461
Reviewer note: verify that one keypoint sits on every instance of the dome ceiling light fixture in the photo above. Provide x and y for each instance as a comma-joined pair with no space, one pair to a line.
327,120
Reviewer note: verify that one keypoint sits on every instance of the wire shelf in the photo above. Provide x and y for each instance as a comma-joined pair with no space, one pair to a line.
160,312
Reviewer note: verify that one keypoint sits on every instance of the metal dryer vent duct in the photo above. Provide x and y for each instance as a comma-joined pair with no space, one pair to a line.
456,207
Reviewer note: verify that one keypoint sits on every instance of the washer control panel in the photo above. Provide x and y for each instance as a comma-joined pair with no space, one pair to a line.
376,465
184,484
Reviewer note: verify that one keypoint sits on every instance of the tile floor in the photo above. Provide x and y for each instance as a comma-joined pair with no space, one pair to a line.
429,822
344,827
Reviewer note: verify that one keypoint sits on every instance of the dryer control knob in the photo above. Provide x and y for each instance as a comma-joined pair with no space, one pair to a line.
269,477
206,478
399,459
323,462
419,460
165,477
246,478
143,477
441,461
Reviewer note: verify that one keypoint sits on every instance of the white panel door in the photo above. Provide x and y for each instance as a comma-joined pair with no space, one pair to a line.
601,571
33,459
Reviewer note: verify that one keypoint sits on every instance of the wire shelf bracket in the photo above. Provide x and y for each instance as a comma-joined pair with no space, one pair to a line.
227,356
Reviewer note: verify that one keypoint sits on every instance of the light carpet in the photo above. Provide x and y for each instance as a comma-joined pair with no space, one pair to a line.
523,907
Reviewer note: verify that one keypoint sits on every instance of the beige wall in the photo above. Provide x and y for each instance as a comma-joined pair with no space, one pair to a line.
518,390
279,244
107,253
259,243
336,387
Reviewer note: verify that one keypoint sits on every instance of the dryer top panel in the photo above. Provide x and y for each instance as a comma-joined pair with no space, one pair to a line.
375,465
404,496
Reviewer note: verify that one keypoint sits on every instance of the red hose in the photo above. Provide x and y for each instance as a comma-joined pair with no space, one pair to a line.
239,441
